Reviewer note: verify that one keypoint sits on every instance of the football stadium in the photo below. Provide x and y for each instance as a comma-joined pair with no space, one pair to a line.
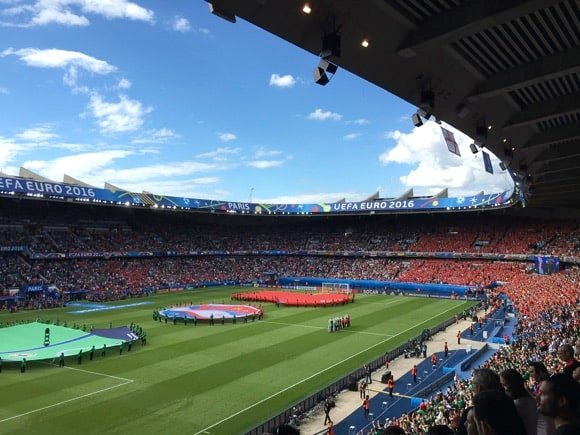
126,311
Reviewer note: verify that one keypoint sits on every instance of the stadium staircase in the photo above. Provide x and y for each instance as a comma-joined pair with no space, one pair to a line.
408,395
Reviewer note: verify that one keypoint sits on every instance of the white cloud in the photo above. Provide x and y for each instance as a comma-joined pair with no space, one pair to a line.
321,115
149,150
124,84
185,187
360,121
181,24
262,152
9,150
435,167
39,134
312,198
351,136
162,170
162,135
4,91
70,61
73,12
220,155
227,137
29,141
206,180
56,58
98,167
126,115
84,166
265,164
46,15
115,9
279,81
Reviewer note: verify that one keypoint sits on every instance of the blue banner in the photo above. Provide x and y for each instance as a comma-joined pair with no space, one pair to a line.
49,190
487,162
34,288
12,248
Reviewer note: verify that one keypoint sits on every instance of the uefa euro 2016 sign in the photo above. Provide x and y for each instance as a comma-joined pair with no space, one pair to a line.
10,186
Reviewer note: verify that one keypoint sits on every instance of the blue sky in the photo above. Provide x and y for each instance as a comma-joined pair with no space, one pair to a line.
162,96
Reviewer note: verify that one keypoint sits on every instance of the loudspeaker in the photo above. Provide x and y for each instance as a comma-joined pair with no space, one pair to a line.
417,121
320,77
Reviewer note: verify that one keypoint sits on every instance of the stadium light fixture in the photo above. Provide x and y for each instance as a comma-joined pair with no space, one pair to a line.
365,43
306,9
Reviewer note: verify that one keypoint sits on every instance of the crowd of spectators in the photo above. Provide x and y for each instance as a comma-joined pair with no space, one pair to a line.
52,228
546,342
177,239
111,279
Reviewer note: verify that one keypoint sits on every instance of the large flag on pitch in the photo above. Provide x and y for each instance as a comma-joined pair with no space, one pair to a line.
450,141
487,162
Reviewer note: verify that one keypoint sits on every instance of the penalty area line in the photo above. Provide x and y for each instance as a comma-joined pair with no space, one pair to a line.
206,430
128,381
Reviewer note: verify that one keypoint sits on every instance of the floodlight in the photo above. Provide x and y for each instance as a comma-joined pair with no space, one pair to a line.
473,148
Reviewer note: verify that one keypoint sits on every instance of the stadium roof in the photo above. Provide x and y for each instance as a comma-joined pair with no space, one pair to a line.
509,66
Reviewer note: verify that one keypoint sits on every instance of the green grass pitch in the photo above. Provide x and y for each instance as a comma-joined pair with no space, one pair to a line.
191,380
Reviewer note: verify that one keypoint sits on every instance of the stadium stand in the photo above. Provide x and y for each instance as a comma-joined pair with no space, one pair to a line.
103,254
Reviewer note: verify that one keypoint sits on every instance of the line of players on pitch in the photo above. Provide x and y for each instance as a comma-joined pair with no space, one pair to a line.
338,323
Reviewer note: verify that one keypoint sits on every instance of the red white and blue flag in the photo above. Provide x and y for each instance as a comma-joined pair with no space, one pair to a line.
450,141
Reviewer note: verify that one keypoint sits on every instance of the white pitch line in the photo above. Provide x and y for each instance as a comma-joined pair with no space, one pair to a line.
100,374
66,401
205,430
293,324
93,373
321,327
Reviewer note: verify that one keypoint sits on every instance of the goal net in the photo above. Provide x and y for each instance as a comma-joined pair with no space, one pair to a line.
335,287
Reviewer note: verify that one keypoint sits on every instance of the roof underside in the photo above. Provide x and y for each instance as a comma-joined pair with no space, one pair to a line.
511,64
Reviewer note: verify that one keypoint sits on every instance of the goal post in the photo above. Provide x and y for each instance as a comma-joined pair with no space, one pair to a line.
335,287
